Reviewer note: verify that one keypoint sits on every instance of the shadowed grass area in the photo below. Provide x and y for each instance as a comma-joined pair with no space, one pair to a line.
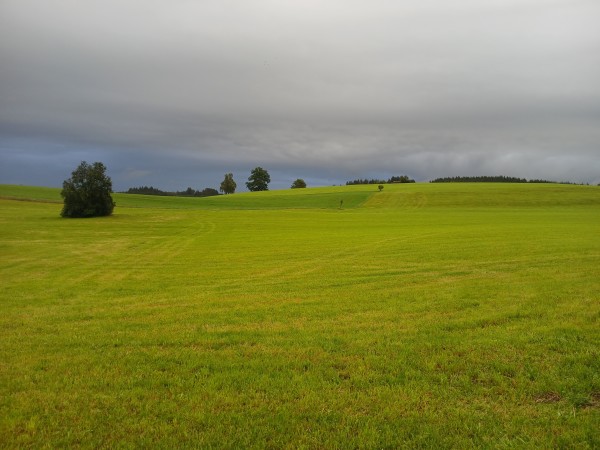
420,316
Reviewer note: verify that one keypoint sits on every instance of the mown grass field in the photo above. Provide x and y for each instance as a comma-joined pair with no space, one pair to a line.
426,315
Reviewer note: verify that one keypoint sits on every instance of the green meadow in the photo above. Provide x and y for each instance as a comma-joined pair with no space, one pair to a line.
423,316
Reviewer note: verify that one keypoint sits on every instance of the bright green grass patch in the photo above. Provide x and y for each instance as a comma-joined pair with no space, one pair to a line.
33,193
422,316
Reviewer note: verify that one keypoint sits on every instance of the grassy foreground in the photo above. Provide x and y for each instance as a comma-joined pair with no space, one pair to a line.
426,315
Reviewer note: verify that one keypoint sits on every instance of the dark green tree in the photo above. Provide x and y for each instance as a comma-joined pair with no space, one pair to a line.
87,192
380,187
228,185
258,180
299,183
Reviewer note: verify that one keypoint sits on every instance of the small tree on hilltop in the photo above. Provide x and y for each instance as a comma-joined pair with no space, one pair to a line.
299,183
258,180
87,192
228,185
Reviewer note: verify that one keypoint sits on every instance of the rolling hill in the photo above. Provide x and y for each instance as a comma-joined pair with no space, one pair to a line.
425,315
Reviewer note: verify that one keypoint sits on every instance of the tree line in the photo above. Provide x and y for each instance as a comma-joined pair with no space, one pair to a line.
189,192
394,179
494,179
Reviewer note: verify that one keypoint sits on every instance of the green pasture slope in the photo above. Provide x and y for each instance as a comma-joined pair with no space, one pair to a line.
426,315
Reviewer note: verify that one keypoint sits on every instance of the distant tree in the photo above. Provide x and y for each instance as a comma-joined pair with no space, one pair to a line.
258,180
380,187
299,183
228,185
87,192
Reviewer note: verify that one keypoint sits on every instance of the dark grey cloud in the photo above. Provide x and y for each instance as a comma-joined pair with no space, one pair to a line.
178,93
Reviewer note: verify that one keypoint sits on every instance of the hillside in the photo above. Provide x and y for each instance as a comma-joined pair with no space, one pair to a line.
393,196
426,315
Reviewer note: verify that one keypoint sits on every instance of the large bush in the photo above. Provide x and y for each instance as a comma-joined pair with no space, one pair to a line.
87,192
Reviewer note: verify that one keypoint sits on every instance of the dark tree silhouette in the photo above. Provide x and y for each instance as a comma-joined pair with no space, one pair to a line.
87,192
228,185
299,183
258,180
189,192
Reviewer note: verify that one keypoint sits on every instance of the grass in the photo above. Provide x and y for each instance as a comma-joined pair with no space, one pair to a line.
426,315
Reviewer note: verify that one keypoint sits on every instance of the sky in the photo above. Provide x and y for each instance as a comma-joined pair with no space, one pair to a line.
176,93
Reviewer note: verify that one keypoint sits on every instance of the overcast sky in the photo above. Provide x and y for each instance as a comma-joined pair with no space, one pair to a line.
175,93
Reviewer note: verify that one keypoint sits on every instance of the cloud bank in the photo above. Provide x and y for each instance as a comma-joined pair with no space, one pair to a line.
175,94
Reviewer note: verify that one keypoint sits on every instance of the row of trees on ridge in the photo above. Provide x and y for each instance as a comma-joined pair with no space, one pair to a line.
189,192
394,179
493,179
480,179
